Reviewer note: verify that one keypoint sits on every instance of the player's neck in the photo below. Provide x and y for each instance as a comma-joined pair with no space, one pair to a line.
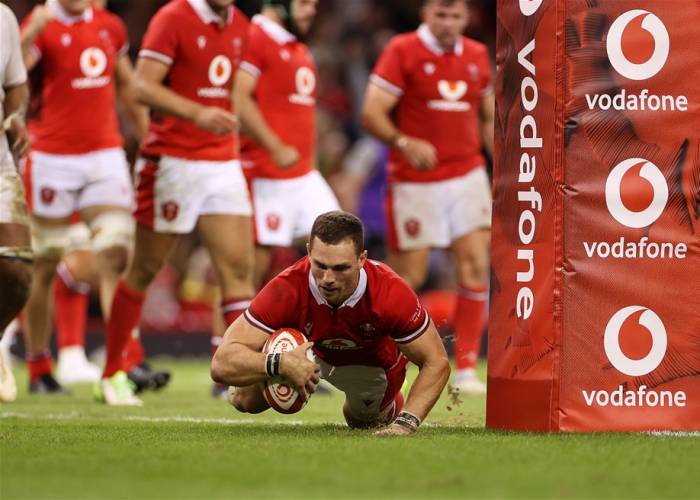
222,12
272,14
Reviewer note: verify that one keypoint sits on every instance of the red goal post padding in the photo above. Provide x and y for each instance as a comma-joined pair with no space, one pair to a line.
595,293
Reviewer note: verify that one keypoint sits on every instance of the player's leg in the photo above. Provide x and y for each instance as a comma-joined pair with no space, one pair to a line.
469,214
76,271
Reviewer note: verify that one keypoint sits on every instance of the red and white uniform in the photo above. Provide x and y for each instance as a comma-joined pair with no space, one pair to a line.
440,96
186,171
76,158
286,201
356,343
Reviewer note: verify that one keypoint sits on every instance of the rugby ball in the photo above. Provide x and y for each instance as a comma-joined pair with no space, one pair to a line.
280,395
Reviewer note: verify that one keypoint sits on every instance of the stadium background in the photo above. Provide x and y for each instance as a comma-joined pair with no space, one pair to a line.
346,39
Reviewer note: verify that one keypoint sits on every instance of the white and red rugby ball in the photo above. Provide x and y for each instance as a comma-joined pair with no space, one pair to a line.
280,395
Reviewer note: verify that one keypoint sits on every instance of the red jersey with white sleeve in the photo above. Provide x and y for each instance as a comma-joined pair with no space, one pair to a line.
202,58
440,95
364,330
76,110
286,95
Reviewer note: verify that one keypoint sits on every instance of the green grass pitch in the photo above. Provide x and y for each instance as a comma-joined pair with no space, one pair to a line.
184,445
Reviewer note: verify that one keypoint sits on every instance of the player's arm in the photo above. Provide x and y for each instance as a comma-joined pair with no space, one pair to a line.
16,100
39,18
239,361
376,119
487,113
151,92
428,353
124,79
253,123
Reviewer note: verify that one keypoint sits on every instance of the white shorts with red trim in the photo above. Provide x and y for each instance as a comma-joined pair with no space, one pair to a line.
13,208
285,209
369,390
172,193
62,184
435,214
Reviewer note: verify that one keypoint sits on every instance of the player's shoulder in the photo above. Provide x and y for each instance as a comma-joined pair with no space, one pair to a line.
103,17
404,42
289,286
382,281
474,47
239,18
175,11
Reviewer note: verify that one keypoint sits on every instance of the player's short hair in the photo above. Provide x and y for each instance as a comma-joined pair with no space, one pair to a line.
447,3
337,226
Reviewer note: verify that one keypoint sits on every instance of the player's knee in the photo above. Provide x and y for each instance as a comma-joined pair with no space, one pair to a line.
113,260
358,421
49,242
112,230
246,401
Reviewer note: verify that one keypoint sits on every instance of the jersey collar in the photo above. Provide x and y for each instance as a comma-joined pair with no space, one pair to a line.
350,301
426,36
273,30
206,14
65,18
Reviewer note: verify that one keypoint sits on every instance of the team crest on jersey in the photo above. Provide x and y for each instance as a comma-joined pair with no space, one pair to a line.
201,41
412,227
367,330
66,39
473,71
340,344
47,195
451,91
273,221
307,329
169,210
305,81
429,68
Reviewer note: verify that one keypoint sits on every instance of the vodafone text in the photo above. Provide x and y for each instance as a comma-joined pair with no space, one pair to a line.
528,195
631,398
642,249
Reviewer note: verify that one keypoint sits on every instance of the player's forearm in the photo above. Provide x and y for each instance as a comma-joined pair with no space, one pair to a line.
237,365
16,100
160,98
379,124
137,114
427,387
253,123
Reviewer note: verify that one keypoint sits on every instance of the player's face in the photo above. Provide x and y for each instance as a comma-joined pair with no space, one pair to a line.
336,269
74,7
304,13
219,5
446,22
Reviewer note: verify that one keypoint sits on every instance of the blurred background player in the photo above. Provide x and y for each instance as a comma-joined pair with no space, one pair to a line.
430,97
15,244
275,95
77,162
189,175
364,322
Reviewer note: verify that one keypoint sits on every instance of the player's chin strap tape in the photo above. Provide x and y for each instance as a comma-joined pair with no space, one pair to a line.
112,229
272,364
22,254
408,420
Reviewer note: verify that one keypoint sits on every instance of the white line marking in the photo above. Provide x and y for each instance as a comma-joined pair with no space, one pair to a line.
675,433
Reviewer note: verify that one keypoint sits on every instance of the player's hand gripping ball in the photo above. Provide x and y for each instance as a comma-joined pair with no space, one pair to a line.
280,395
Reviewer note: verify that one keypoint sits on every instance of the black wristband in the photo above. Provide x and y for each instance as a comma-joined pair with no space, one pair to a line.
268,365
408,420
272,364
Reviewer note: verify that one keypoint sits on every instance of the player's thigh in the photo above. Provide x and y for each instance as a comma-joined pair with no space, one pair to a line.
229,239
314,198
411,265
151,249
471,252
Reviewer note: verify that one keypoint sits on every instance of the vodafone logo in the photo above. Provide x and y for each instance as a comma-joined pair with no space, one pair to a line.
636,192
638,44
649,320
305,81
93,62
452,91
220,70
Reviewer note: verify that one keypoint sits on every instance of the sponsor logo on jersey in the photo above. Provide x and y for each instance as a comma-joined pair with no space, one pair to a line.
93,63
220,69
305,82
451,92
636,194
645,338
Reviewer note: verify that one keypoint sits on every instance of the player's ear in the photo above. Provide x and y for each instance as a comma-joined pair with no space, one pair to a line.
363,257
308,248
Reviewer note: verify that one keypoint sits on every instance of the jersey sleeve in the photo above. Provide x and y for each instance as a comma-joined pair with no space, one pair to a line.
407,317
120,36
161,40
15,73
389,72
254,60
485,72
274,307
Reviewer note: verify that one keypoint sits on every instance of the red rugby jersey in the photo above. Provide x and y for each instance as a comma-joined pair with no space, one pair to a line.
285,94
202,57
77,55
440,95
365,330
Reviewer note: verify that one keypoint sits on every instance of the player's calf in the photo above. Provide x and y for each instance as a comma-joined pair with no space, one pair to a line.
16,279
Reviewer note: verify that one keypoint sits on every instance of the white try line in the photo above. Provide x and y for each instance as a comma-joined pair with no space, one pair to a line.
675,433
